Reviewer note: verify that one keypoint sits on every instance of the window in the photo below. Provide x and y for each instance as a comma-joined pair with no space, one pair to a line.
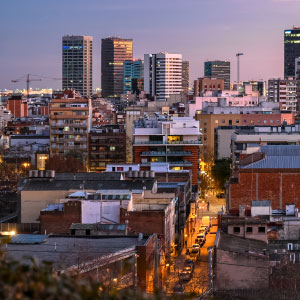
216,121
73,231
88,232
261,229
112,148
223,121
290,246
237,121
113,169
236,229
249,230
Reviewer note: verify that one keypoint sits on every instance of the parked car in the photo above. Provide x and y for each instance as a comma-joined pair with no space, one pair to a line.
201,238
220,195
204,228
185,276
178,289
189,263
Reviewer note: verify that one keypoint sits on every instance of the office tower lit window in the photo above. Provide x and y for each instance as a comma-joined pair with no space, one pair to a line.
291,50
77,64
218,69
185,76
114,51
133,69
163,75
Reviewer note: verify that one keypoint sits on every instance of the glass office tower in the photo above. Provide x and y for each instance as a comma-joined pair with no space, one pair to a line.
291,50
133,69
114,51
218,69
77,64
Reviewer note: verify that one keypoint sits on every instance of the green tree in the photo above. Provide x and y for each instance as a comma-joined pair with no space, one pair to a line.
221,172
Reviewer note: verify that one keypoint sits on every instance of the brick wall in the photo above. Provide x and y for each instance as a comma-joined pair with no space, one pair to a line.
146,222
279,186
60,221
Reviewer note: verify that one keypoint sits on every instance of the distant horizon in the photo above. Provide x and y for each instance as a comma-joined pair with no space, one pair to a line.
32,32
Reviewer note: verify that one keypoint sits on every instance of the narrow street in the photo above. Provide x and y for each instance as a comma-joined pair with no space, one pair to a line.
199,281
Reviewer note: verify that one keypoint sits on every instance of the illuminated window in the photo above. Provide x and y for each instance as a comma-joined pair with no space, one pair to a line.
112,148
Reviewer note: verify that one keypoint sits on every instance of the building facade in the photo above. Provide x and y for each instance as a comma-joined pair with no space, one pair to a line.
203,85
284,91
77,64
291,50
106,146
70,123
163,75
218,69
185,76
114,51
176,141
133,69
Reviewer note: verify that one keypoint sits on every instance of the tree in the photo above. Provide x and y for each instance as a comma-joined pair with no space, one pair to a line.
68,163
221,172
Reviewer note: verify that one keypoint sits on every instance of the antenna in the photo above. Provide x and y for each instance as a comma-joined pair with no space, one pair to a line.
238,66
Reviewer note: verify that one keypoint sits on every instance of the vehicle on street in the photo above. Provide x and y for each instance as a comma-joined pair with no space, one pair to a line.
189,263
185,276
204,228
221,196
201,238
178,289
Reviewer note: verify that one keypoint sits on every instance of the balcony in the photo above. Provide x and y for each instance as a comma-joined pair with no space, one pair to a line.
192,142
169,153
181,163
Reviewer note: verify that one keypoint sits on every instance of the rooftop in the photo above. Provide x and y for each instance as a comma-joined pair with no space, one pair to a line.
65,252
237,244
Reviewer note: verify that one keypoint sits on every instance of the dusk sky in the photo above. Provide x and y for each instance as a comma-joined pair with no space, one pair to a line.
31,33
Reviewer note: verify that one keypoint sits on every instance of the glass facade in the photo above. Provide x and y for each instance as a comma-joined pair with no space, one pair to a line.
218,69
114,51
133,69
77,64
291,50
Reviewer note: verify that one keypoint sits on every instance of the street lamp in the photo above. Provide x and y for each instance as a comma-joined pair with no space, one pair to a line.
26,165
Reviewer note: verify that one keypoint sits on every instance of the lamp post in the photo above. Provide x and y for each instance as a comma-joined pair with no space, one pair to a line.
26,165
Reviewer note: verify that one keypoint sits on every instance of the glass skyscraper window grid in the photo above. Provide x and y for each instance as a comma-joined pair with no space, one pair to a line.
291,50
77,64
218,69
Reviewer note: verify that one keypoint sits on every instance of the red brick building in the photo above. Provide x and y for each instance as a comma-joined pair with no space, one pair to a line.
275,176
57,218
17,106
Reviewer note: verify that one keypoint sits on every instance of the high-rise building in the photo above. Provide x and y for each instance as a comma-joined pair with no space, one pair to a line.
77,64
185,76
283,91
133,69
163,75
218,69
291,50
70,123
114,51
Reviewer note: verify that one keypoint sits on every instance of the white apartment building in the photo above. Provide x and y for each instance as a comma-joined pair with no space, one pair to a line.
163,75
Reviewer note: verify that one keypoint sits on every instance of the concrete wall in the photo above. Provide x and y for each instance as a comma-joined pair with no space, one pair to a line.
32,202
254,235
240,271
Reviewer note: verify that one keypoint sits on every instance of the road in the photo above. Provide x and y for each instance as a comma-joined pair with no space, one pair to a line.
199,282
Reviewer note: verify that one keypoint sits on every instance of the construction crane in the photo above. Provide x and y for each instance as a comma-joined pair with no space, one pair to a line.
238,66
28,79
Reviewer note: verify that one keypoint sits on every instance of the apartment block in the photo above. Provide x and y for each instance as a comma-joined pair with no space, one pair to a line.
162,75
284,91
70,123
106,146
176,141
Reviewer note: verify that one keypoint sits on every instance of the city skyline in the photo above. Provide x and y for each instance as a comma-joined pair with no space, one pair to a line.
234,26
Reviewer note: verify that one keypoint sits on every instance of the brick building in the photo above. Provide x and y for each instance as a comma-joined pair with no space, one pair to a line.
208,84
57,218
273,174
17,106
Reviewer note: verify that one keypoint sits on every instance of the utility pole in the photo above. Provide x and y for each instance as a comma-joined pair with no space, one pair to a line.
210,270
238,66
156,262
